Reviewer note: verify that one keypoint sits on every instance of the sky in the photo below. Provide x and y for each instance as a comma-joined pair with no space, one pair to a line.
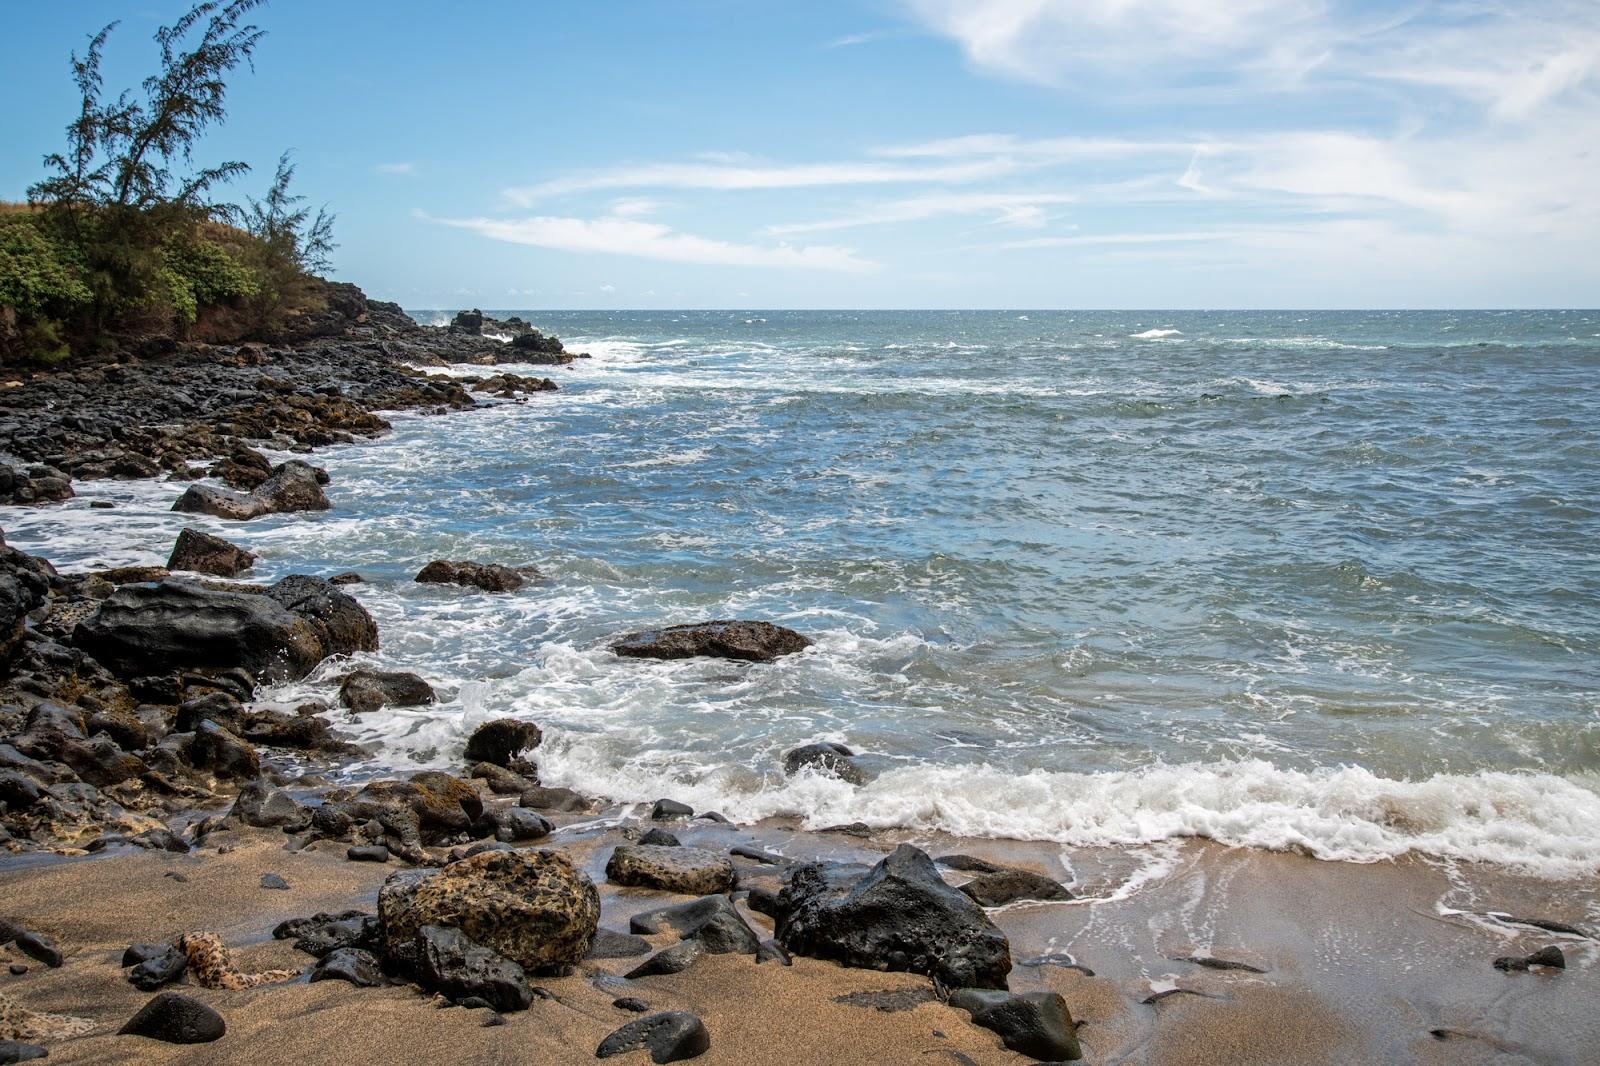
903,153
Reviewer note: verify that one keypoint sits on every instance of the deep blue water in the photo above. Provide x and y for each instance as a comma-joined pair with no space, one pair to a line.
1271,577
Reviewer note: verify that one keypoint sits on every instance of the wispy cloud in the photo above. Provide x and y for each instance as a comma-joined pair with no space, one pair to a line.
730,177
395,168
1017,209
849,40
650,240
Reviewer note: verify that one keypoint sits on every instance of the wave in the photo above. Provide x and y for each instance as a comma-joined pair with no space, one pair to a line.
1155,334
1539,824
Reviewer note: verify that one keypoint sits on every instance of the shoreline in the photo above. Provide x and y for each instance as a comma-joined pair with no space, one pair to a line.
1317,917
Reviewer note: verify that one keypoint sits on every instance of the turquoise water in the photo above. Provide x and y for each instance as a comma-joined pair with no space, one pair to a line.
1325,579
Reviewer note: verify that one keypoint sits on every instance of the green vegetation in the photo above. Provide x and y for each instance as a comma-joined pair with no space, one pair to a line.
121,237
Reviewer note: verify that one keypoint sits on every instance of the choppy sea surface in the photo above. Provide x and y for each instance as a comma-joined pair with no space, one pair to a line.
1292,579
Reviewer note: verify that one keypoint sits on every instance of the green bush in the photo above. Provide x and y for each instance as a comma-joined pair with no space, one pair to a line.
40,276
208,274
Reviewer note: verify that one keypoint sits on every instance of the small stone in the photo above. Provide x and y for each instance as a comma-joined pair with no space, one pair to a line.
274,881
177,1019
493,1020
633,1003
519,823
676,959
668,808
367,853
163,969
354,965
669,1037
16,1051
17,969
660,838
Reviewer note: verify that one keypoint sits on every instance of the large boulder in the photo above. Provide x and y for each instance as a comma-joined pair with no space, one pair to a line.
900,915
281,635
446,961
201,553
219,503
491,577
759,642
533,907
368,690
293,486
689,871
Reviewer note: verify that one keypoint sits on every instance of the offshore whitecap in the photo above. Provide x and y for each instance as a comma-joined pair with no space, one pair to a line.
1311,580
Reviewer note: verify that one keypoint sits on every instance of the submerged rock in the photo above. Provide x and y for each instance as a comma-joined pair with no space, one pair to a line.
367,690
745,640
1007,886
835,760
533,907
499,741
900,916
491,577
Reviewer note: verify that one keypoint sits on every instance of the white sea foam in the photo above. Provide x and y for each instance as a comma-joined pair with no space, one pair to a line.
1540,824
1155,334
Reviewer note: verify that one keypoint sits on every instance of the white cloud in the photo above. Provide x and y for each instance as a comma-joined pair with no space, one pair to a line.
635,207
731,177
851,39
395,168
651,240
1018,209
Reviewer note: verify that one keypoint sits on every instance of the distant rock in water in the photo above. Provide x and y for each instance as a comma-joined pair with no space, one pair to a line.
201,553
491,577
292,486
500,740
36,484
759,642
367,690
470,322
834,760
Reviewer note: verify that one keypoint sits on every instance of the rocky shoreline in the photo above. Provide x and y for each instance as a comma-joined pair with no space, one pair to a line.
182,884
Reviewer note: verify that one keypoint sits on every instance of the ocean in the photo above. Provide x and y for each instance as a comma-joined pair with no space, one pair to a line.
1325,581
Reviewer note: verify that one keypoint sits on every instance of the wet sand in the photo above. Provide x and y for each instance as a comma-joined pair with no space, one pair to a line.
1363,963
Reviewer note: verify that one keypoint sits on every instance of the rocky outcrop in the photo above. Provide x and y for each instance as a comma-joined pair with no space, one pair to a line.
201,553
367,690
900,915
534,908
292,486
33,485
499,741
25,581
833,760
469,322
750,641
689,871
491,577
176,625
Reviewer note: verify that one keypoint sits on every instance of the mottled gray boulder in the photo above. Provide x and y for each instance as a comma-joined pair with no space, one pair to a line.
201,553
900,916
293,486
749,641
690,871
367,690
219,503
517,824
533,907
1035,1024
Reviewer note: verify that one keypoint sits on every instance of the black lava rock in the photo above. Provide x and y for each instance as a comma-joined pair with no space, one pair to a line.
669,1037
177,1019
1033,1023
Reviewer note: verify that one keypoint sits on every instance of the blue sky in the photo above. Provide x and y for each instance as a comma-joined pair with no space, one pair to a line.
906,153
